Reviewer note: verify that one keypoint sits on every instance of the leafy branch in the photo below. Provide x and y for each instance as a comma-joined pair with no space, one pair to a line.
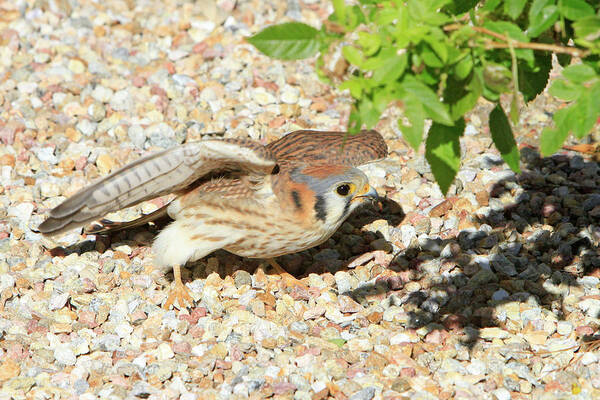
572,51
434,59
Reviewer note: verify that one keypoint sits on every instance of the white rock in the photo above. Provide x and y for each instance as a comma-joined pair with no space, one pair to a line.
289,95
564,328
64,355
102,94
589,358
501,394
46,154
164,352
121,101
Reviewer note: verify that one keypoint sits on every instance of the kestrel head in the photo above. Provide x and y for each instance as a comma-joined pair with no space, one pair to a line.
332,191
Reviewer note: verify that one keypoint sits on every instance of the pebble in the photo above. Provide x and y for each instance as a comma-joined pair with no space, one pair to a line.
64,354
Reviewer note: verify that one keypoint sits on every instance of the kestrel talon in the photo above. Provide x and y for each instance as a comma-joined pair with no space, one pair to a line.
252,200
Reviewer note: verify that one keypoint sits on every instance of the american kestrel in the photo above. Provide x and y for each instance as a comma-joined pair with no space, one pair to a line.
234,194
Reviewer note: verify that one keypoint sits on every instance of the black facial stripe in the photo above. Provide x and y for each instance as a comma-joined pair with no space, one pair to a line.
320,208
346,207
296,198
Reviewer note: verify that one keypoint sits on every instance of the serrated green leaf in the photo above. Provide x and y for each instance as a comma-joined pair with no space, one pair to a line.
288,41
369,114
386,16
490,5
413,111
461,6
339,8
354,86
442,151
542,14
565,90
429,57
551,140
575,9
507,28
392,68
533,81
353,55
587,111
514,8
339,342
437,44
432,105
503,138
369,42
579,73
514,32
463,68
462,100
587,29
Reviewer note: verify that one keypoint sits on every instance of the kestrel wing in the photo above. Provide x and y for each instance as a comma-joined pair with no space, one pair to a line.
155,175
309,146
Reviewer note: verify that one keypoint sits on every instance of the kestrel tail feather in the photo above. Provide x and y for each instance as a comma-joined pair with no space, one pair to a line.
106,226
155,175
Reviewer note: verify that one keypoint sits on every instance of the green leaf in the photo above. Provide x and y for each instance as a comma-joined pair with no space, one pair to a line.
514,8
463,68
442,150
587,29
587,111
354,86
339,342
565,90
463,99
533,80
429,57
575,9
353,55
579,73
354,121
432,105
461,6
288,41
369,42
369,114
392,68
542,14
507,28
503,138
497,77
413,111
551,140
490,5
339,8
514,32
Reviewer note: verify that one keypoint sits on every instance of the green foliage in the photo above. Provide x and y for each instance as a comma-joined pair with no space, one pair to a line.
436,58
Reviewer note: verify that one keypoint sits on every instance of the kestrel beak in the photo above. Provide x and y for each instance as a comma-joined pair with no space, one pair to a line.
367,193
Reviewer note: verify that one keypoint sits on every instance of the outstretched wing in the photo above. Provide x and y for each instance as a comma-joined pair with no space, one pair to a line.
155,175
343,148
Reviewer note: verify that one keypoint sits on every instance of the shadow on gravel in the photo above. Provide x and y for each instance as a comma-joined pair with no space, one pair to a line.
532,251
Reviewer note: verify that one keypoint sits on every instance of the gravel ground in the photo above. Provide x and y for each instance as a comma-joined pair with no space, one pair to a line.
490,293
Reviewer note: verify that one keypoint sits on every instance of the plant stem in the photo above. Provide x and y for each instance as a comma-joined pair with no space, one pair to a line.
575,52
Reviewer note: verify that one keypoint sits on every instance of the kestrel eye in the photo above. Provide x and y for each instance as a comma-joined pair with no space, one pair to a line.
343,190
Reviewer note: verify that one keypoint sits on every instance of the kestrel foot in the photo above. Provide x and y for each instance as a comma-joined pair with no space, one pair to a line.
179,291
288,279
